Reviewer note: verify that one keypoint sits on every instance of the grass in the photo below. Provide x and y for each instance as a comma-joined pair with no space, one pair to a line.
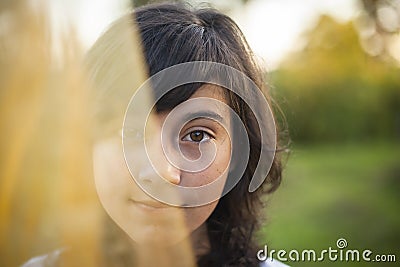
329,192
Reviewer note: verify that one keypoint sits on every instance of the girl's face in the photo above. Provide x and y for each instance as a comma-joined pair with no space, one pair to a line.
143,218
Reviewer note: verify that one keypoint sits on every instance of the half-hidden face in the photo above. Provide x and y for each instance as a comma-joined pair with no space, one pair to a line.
188,147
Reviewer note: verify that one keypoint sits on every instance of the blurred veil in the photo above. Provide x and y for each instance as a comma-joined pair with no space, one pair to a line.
48,104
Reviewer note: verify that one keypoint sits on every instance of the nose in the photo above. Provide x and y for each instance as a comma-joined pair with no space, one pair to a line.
150,173
156,163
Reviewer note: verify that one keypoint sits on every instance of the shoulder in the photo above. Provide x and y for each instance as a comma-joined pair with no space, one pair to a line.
272,263
47,260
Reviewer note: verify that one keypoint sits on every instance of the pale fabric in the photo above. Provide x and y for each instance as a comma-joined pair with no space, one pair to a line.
50,260
47,260
272,263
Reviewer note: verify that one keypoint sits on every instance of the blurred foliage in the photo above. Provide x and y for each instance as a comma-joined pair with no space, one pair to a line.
331,192
346,103
333,91
379,26
45,145
384,13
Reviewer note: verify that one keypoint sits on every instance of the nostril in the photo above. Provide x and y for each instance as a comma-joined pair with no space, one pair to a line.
155,175
146,180
146,175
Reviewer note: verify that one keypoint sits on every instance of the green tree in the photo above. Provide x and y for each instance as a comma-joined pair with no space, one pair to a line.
333,91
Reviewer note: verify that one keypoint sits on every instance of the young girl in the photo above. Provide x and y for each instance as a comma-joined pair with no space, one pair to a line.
218,225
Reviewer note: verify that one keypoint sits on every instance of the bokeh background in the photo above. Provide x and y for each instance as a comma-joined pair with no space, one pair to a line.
333,68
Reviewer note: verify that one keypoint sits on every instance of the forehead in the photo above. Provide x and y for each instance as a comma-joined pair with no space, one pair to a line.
210,91
206,109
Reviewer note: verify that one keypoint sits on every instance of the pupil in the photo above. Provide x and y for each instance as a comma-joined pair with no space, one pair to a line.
196,136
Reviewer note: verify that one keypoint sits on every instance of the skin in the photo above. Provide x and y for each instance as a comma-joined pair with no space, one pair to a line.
145,219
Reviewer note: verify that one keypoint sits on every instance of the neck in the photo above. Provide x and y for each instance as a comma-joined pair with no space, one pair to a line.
183,253
200,241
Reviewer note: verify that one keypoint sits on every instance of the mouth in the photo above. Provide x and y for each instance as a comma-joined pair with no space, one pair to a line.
149,205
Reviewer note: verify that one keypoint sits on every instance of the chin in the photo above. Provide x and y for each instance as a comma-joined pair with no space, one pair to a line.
158,236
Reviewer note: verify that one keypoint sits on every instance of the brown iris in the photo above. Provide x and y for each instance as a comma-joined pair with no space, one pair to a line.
197,136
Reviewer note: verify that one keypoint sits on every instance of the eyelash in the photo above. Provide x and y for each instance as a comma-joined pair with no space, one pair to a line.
205,135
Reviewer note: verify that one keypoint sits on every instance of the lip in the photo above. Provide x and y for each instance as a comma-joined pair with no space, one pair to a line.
149,205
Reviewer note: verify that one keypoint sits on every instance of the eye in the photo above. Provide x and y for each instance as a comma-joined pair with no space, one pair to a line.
197,136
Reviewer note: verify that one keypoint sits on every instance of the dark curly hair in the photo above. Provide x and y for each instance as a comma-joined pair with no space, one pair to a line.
173,34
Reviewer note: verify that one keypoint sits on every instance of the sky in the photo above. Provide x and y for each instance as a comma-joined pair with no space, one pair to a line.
272,27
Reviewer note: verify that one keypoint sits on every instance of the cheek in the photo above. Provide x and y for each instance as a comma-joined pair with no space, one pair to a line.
113,184
195,217
218,168
109,173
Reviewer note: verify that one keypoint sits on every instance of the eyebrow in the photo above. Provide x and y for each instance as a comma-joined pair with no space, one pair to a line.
206,115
